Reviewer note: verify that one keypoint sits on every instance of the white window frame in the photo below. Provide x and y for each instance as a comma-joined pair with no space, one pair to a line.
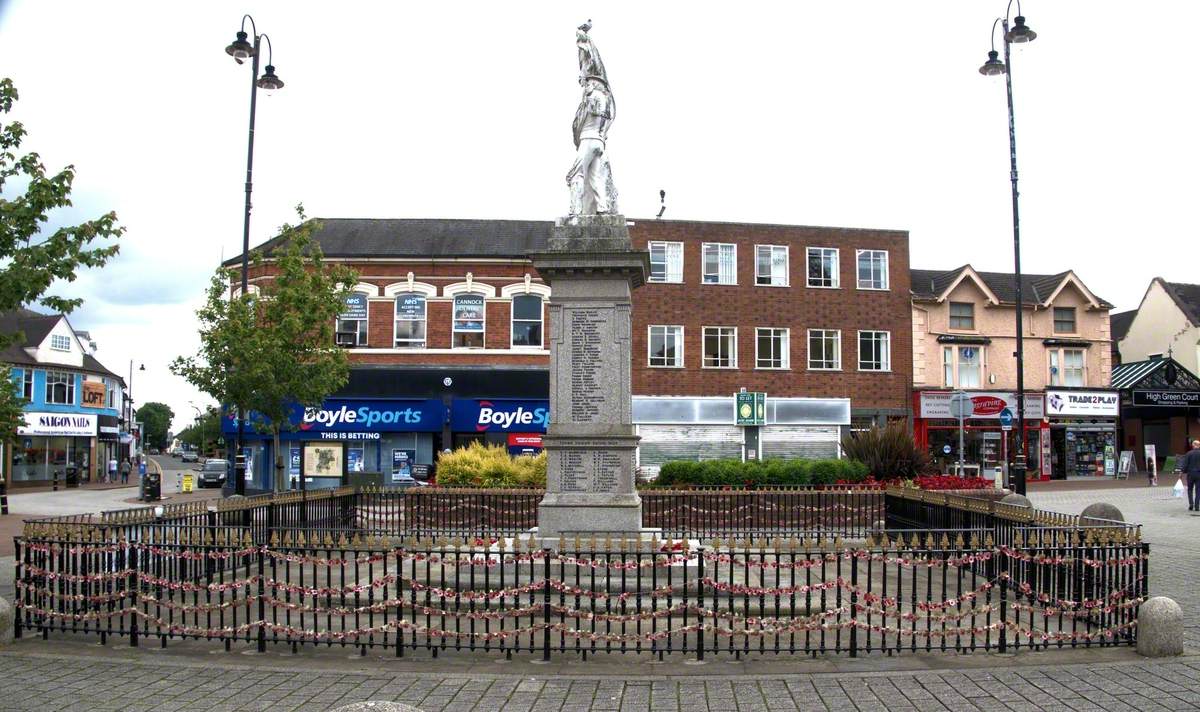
59,342
512,322
838,361
720,248
678,333
1074,320
362,330
454,326
670,249
858,256
1057,366
772,249
70,384
835,278
785,348
27,385
954,363
110,394
424,343
886,360
723,330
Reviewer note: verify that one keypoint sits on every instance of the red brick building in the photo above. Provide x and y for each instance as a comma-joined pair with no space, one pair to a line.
452,311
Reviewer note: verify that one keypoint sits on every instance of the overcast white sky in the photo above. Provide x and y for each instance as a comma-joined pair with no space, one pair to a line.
858,114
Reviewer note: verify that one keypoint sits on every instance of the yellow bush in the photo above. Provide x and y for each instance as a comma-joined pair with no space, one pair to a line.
480,465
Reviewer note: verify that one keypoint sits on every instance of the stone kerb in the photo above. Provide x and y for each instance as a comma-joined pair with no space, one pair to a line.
6,622
376,707
1160,628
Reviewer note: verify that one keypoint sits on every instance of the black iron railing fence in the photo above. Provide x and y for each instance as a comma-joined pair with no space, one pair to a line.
892,592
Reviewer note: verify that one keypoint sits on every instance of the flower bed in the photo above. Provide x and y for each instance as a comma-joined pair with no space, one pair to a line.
938,483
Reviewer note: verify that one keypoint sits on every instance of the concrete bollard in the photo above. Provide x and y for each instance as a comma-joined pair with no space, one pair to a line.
1099,514
6,622
376,707
1160,628
1018,500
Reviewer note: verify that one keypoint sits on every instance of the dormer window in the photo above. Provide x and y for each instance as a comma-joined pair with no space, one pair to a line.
58,342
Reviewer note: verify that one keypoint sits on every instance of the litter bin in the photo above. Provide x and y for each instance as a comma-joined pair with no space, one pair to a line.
153,487
72,476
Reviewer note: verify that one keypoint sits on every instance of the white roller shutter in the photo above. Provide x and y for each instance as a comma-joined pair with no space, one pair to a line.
799,441
664,443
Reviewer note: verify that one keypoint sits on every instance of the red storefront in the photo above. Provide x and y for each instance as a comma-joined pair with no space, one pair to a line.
987,446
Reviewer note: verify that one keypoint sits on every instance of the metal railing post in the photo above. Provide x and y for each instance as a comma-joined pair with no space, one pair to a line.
699,601
546,605
262,605
131,559
854,606
1003,583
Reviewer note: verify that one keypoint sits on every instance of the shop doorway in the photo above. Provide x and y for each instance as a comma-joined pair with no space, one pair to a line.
1158,434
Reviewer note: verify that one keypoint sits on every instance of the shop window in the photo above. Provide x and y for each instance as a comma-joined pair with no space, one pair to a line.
872,269
666,346
58,342
27,385
351,327
60,388
720,263
823,267
771,265
666,261
410,321
965,362
527,320
824,350
469,316
874,351
1064,320
962,316
771,348
110,394
720,347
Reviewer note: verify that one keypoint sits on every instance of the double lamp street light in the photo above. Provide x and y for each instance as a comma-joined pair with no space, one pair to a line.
242,49
1018,33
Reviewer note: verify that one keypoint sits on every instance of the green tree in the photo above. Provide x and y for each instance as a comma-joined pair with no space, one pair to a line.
31,259
156,420
267,353
204,432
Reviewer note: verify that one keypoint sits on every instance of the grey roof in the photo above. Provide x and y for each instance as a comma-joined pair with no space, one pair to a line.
1119,323
929,284
34,325
1127,374
1187,297
369,237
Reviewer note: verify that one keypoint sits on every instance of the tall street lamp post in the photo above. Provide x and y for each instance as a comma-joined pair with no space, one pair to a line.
1017,33
129,410
241,49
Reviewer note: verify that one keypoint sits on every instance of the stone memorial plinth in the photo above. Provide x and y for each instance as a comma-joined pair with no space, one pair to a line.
592,270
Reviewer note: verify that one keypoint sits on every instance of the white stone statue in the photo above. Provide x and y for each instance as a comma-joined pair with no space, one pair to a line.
590,178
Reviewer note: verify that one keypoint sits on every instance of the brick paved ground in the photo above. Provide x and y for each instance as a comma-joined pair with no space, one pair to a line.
30,681
36,675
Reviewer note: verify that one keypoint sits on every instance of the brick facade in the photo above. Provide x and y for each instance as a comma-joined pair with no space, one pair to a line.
797,307
691,304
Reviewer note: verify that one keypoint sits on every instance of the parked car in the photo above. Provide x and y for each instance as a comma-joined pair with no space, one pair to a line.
213,472
190,456
153,451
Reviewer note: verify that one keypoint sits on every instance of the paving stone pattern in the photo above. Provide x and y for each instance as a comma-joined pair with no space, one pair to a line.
40,682
1173,533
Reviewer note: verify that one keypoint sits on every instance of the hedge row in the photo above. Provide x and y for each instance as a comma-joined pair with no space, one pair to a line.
760,473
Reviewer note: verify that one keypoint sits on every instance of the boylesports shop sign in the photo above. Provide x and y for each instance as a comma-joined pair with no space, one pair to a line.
353,419
499,415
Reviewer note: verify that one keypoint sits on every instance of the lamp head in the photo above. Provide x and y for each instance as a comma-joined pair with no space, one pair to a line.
240,49
993,65
268,80
1020,32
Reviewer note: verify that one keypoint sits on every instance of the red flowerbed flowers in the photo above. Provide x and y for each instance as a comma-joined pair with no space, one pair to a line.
927,482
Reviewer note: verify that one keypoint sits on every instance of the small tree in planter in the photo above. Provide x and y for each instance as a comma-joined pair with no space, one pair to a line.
889,453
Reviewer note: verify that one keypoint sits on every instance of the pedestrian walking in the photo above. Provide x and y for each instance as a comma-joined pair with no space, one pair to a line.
126,468
1190,467
112,470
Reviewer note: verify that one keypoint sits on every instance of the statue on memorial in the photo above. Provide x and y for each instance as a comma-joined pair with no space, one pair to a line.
590,178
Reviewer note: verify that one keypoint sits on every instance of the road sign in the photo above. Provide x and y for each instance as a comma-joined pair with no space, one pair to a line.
946,448
187,482
1006,419
961,406
750,408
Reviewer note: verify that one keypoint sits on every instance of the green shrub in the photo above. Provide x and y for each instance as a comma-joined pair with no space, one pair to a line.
479,465
759,473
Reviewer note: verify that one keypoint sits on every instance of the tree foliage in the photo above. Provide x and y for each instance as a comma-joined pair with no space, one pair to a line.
156,422
205,432
32,259
267,353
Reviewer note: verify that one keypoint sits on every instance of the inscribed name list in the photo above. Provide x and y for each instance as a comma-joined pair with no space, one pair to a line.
589,387
590,471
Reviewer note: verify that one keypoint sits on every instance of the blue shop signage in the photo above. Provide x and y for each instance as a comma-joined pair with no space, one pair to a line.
357,419
507,415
